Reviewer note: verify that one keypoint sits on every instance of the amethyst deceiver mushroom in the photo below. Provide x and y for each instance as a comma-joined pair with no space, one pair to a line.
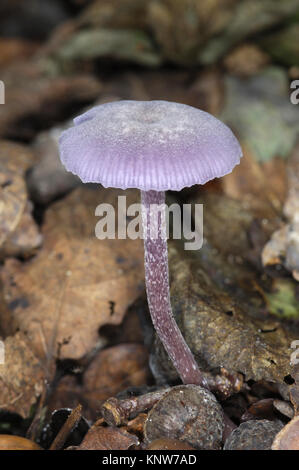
154,146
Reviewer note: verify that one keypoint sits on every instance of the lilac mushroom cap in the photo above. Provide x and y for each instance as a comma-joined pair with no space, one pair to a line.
153,146
150,145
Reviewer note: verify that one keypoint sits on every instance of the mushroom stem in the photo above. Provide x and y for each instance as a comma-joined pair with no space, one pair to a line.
157,288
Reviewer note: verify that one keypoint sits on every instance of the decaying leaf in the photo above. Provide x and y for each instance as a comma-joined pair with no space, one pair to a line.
260,186
283,44
8,442
283,247
76,283
26,239
13,49
283,301
128,45
261,409
228,332
19,234
29,92
22,376
246,60
182,27
288,437
48,179
259,109
108,438
284,408
249,17
113,370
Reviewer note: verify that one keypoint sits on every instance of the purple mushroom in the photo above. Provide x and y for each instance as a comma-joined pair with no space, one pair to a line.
154,146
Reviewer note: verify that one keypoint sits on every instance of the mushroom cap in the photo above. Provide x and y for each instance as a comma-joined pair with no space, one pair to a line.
150,145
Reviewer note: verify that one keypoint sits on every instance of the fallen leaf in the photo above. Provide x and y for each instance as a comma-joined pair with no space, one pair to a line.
260,186
8,442
121,44
283,247
136,425
259,110
22,376
294,388
288,437
228,332
261,409
282,45
76,283
26,239
246,60
113,370
19,234
108,438
284,408
248,18
48,179
283,301
180,38
13,49
30,93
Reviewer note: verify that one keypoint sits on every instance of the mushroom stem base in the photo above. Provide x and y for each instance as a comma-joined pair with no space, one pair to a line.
157,288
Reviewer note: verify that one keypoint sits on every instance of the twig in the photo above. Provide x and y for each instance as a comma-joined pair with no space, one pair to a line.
117,412
67,428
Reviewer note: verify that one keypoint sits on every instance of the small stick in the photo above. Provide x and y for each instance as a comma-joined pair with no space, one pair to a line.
117,412
67,428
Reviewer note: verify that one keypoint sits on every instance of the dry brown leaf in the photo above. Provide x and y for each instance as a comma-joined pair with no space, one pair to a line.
26,239
29,92
76,283
8,442
108,438
288,437
67,394
13,49
283,247
110,372
136,425
113,370
262,186
48,179
180,39
246,60
228,331
19,235
13,199
22,376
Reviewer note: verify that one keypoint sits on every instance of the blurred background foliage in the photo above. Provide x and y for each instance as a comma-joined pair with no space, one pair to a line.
233,58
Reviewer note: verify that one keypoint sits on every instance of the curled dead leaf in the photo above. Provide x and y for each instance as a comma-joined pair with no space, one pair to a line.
229,333
288,437
22,376
19,234
113,370
76,283
108,438
8,442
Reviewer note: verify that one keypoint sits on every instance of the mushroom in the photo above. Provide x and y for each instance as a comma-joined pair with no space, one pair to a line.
154,146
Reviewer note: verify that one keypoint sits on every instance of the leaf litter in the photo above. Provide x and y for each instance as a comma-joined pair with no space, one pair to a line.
68,319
